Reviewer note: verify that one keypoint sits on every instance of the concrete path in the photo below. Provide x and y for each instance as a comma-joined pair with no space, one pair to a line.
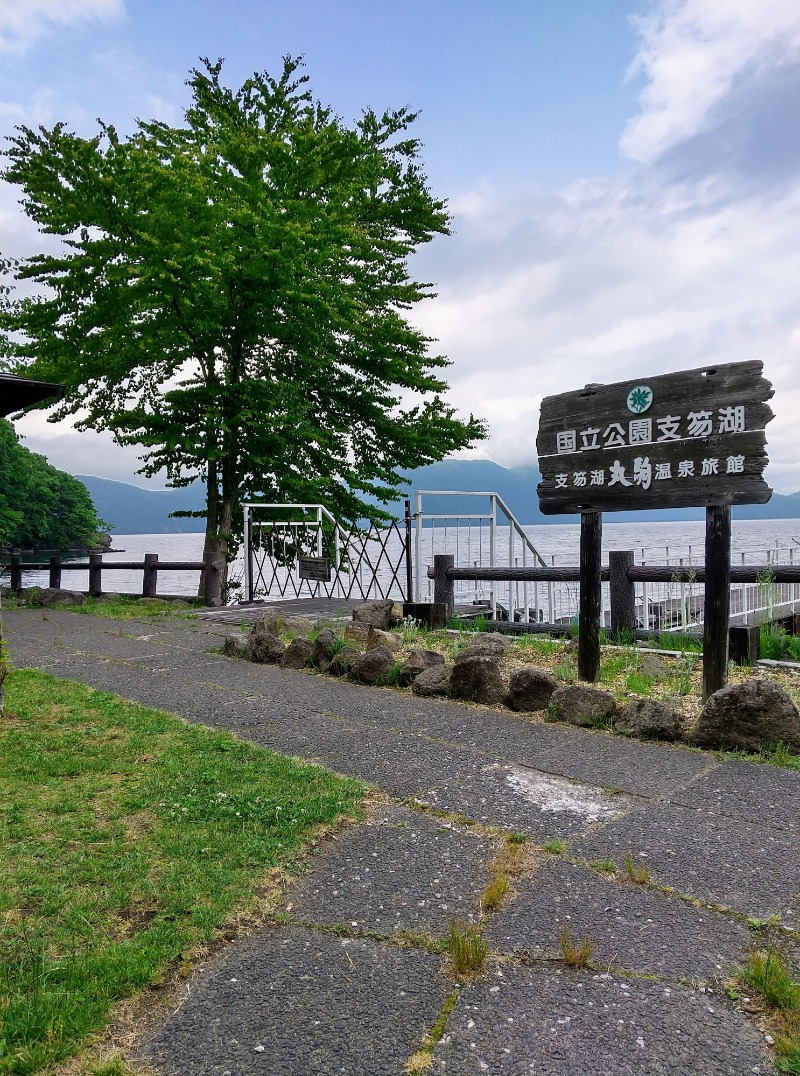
347,981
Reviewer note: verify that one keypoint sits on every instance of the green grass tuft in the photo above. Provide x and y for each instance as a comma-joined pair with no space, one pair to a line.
467,949
766,972
576,954
638,873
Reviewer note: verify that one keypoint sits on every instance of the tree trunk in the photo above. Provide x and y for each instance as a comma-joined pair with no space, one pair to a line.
215,542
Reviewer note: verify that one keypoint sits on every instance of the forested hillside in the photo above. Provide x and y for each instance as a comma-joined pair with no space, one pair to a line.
40,506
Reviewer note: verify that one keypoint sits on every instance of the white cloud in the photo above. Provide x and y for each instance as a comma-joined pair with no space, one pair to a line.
612,280
25,21
692,52
691,260
81,453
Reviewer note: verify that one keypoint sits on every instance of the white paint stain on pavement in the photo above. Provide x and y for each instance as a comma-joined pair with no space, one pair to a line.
559,795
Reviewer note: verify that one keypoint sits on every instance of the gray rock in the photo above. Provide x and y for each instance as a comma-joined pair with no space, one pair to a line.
373,666
478,679
108,597
418,661
748,716
273,623
297,654
357,634
322,649
434,681
54,596
378,614
530,689
391,640
490,645
648,719
234,647
265,649
582,705
655,667
342,661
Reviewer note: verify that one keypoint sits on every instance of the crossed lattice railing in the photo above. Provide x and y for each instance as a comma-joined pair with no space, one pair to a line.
362,562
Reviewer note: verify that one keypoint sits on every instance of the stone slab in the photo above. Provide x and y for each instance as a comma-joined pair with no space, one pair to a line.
525,1021
516,797
609,760
402,765
752,791
293,1001
634,929
754,870
401,870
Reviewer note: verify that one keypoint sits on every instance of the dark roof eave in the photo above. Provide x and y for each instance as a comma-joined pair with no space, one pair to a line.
17,393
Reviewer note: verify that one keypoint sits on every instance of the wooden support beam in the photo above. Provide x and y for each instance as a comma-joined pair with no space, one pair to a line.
443,591
590,596
623,591
95,575
150,575
717,599
744,643
55,573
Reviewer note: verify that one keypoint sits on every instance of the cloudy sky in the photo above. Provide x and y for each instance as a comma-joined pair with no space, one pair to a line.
624,175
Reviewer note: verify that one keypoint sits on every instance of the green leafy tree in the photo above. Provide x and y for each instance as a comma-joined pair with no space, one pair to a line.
233,296
40,506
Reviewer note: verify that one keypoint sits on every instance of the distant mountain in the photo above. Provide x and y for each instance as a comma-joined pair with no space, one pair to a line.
131,509
134,510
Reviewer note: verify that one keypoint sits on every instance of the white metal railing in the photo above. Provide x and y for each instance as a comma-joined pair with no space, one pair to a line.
662,607
364,562
476,538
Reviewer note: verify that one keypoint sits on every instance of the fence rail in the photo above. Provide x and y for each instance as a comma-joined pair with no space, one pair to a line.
781,581
150,566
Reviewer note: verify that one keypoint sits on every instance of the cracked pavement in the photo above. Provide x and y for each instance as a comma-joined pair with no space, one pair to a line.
349,978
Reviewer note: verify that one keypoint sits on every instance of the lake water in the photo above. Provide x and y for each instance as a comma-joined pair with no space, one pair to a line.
558,543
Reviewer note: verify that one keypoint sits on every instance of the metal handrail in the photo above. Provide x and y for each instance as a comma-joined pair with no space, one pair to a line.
495,502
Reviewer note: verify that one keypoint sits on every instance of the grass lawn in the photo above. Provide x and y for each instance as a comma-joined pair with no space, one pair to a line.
128,839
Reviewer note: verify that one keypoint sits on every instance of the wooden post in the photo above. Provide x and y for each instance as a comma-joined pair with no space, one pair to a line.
744,643
150,575
55,573
15,582
623,592
442,586
95,575
717,609
590,596
212,578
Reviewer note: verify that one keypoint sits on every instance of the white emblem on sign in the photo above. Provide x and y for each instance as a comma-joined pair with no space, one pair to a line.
639,399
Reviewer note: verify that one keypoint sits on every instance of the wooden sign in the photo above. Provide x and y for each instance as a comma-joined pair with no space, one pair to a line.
694,438
316,568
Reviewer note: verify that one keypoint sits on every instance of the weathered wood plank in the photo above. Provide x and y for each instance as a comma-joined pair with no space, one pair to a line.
590,596
717,599
623,592
697,439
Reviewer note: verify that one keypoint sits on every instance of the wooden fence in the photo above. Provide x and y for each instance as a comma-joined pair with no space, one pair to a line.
212,568
622,575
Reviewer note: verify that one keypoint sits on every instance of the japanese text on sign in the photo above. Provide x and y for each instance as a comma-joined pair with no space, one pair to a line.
690,438
640,431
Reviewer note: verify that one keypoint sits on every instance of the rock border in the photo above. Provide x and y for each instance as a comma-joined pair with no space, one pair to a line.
745,717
